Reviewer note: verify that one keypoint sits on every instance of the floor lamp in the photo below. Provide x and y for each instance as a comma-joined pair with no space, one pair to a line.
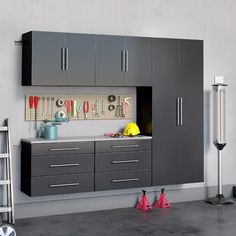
219,136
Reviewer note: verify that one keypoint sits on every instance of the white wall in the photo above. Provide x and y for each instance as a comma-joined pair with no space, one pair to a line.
212,21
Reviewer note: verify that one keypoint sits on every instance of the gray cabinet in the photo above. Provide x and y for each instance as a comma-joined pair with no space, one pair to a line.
191,93
42,58
67,59
177,111
123,61
80,60
165,93
109,60
122,164
58,59
57,168
72,167
138,61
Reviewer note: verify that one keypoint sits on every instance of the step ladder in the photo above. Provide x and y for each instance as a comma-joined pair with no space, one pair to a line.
6,183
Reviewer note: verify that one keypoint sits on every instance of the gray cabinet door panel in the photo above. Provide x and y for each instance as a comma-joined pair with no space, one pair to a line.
51,149
191,146
122,179
61,184
109,60
81,60
122,161
123,146
139,61
47,58
165,129
58,165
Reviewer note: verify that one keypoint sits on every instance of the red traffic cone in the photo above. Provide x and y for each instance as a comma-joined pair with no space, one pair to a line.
144,204
162,201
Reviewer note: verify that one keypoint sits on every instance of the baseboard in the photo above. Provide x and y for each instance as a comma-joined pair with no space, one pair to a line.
27,210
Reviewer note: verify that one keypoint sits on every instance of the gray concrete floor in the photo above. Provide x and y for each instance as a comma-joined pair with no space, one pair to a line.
188,218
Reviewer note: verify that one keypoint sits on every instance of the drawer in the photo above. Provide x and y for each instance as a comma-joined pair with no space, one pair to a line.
61,184
62,148
123,145
122,179
122,161
57,165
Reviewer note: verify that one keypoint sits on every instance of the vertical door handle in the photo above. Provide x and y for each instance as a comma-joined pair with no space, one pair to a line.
123,60
126,60
181,111
177,112
66,58
62,58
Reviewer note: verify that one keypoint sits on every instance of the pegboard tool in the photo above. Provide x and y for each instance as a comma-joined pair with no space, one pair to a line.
86,109
36,104
31,106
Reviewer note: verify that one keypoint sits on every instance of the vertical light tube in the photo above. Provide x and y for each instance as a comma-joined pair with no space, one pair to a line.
219,138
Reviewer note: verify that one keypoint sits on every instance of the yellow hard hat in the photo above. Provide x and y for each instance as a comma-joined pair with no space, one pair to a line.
131,129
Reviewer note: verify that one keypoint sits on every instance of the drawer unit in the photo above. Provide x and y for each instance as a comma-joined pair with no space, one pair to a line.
61,184
62,148
122,161
122,179
57,168
123,146
57,165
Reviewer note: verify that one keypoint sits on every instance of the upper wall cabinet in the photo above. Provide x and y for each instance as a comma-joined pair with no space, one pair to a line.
58,59
123,61
64,59
137,61
109,60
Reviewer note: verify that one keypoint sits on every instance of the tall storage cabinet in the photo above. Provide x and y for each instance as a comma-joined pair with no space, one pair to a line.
177,67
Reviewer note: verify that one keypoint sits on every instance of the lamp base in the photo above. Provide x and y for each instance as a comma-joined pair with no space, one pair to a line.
219,199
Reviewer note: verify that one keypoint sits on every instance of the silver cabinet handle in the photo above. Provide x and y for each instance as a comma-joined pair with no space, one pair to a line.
126,161
177,112
62,58
181,111
125,146
123,180
63,185
64,149
122,60
63,165
66,58
126,60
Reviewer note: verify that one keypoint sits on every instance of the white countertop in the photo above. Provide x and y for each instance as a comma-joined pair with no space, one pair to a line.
82,139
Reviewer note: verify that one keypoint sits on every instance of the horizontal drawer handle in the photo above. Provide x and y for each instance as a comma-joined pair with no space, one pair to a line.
64,165
64,149
127,161
125,146
63,185
123,180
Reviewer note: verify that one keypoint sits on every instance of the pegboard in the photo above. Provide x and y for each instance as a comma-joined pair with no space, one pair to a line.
99,104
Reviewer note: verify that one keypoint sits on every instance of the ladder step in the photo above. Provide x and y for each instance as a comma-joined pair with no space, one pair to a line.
4,155
4,182
3,128
5,209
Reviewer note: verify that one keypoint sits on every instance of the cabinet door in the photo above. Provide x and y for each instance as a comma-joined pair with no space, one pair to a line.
47,58
165,130
138,61
191,74
80,60
109,60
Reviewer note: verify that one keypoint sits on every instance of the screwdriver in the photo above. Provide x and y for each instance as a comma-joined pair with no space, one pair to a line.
31,105
86,108
36,103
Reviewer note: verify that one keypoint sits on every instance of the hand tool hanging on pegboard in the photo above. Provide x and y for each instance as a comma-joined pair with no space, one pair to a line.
36,103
